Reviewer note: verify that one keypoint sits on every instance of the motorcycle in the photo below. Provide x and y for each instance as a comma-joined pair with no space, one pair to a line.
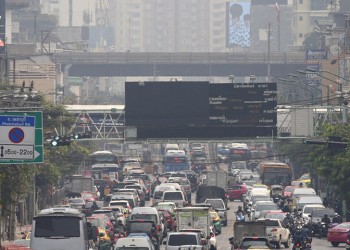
347,244
323,229
249,212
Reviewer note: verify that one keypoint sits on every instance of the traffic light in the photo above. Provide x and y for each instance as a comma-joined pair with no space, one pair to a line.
84,135
60,141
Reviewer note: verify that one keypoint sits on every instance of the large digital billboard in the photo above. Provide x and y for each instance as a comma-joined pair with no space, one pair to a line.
238,23
200,109
176,103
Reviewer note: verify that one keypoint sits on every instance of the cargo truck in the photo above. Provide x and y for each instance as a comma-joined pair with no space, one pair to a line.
194,218
76,184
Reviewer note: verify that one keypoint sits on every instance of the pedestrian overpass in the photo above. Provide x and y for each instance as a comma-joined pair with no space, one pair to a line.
107,122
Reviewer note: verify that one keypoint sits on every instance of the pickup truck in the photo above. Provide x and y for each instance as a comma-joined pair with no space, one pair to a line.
176,240
277,233
242,230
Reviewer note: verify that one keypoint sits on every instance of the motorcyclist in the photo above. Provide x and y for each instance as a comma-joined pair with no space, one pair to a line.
94,206
120,226
337,219
306,234
286,208
157,181
326,219
240,213
288,220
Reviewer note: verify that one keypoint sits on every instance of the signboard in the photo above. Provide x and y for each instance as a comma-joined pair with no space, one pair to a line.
316,54
313,78
201,110
246,104
21,138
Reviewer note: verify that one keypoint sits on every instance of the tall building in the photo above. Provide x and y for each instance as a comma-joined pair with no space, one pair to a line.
306,15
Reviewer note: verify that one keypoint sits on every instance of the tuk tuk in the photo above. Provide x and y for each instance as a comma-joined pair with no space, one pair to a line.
276,192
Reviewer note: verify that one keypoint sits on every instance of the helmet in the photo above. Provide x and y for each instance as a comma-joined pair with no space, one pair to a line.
239,207
336,214
288,215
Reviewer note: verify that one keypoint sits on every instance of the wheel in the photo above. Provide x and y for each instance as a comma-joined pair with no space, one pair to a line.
287,244
278,244
335,244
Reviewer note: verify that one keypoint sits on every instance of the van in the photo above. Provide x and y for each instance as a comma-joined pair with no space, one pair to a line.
259,192
178,197
308,200
171,147
148,213
158,193
59,228
296,192
126,196
134,243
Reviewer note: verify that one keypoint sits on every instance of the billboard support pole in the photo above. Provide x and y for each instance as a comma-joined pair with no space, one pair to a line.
268,54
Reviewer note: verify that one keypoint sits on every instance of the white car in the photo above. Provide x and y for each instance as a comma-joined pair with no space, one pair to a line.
277,233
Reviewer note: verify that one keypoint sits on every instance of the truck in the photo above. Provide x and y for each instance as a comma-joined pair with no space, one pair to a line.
193,218
242,230
77,183
216,178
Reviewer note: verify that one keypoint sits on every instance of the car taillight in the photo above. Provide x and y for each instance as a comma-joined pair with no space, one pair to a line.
159,228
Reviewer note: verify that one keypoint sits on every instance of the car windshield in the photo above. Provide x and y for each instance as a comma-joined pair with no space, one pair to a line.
271,223
308,210
262,198
321,213
75,201
173,196
52,226
275,216
139,227
216,203
131,248
262,207
151,217
182,239
344,225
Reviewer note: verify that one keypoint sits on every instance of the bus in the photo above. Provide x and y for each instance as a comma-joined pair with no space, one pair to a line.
239,152
275,173
175,161
105,165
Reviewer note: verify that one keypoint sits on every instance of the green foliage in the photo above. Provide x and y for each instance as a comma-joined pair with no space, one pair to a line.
312,41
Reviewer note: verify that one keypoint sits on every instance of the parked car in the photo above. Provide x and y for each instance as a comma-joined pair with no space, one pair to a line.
338,234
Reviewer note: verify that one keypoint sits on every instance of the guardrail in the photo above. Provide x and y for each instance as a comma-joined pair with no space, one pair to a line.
176,58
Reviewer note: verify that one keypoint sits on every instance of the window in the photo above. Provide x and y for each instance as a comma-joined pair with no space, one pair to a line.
57,227
183,239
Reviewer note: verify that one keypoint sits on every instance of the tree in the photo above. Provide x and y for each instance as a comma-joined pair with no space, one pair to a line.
312,41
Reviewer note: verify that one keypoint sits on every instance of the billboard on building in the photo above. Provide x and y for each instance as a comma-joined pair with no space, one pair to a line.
238,23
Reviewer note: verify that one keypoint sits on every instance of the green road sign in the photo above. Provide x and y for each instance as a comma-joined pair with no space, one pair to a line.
21,137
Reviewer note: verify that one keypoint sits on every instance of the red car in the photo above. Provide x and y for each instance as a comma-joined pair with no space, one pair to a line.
338,234
288,191
168,218
236,192
88,196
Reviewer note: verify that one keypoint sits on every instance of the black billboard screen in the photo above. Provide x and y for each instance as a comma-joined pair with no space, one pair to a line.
244,104
177,103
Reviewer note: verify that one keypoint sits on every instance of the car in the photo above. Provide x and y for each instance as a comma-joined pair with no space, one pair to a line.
167,205
338,234
216,221
275,215
277,233
145,226
261,206
307,209
77,203
89,196
219,206
287,192
139,241
236,192
184,183
168,219
254,243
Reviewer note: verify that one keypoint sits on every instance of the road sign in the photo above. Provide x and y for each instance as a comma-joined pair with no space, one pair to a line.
21,138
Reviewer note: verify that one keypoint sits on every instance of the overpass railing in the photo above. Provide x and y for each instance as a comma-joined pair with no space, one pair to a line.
176,58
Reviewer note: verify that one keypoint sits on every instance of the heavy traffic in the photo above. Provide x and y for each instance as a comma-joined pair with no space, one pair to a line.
196,197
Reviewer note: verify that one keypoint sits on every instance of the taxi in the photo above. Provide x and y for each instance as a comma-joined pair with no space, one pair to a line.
216,221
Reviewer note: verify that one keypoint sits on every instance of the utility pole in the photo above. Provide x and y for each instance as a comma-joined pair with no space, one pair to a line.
268,53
